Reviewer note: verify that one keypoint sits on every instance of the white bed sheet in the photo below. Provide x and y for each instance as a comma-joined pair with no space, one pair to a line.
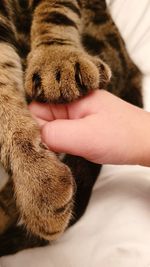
115,230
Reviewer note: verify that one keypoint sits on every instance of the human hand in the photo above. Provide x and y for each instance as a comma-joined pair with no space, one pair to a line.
100,127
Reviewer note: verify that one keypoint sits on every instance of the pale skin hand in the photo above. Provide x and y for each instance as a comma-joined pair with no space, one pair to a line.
100,127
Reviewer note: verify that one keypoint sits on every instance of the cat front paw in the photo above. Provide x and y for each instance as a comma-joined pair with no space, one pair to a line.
63,74
44,190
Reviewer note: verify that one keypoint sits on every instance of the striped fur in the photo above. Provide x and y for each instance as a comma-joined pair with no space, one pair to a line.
52,51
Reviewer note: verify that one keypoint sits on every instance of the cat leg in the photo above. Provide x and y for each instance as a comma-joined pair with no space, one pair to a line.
101,38
43,186
133,91
59,70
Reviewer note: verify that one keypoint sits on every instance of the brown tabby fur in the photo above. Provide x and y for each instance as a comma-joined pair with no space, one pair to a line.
52,51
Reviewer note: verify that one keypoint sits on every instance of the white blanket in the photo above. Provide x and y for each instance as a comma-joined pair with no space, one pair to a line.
115,230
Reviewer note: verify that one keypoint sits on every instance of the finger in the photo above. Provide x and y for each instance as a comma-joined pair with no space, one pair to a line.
69,136
40,110
48,112
83,107
40,122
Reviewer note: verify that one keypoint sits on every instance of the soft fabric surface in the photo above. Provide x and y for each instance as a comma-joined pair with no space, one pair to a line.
115,230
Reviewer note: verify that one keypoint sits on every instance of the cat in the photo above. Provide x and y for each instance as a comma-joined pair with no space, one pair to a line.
52,51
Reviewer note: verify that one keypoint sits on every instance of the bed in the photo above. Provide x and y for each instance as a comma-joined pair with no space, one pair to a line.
115,230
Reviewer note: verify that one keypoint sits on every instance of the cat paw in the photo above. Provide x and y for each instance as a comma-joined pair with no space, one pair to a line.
44,190
63,74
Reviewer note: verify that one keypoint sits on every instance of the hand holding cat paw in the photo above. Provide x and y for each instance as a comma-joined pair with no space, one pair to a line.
100,127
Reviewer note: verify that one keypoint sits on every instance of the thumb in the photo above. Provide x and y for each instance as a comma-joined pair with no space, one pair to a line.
66,136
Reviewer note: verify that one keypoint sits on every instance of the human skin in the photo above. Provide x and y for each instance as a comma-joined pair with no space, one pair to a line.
99,127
